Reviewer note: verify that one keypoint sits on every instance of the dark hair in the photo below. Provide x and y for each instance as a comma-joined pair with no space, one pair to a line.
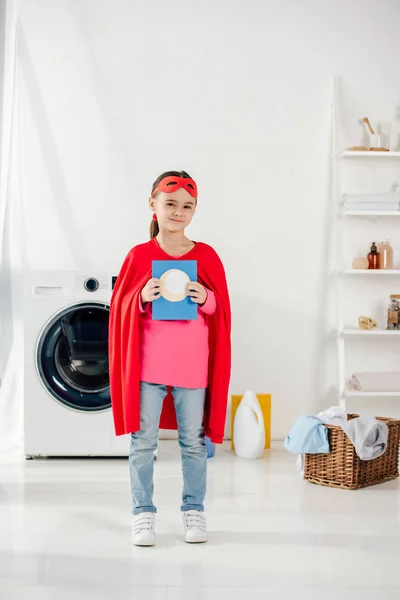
154,228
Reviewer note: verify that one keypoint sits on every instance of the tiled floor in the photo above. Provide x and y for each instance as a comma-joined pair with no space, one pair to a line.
65,534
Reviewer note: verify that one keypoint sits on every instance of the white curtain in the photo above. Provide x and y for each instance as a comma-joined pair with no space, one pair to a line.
12,250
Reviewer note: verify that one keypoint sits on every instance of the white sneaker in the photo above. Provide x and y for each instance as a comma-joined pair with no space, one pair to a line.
143,529
195,527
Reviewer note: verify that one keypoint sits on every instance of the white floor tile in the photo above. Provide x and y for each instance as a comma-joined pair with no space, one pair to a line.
65,531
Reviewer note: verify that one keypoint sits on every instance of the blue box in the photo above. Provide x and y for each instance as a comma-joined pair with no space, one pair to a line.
169,307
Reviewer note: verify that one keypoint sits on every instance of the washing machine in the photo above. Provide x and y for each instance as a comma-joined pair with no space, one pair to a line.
66,378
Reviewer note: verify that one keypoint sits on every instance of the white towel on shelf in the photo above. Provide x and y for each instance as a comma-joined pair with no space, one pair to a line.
375,382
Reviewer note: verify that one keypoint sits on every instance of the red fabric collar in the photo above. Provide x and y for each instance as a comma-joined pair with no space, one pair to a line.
171,184
124,341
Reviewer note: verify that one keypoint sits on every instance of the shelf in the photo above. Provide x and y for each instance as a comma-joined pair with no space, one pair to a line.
372,272
349,153
372,332
348,202
369,213
348,394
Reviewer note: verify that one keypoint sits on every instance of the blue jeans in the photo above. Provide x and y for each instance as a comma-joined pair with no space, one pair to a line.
189,406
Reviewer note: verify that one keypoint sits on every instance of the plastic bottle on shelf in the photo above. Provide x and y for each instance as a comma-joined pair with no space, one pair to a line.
385,255
373,257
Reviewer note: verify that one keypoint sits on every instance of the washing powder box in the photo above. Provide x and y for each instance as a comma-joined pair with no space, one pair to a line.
174,304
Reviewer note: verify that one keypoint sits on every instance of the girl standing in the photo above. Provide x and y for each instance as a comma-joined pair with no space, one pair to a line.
173,374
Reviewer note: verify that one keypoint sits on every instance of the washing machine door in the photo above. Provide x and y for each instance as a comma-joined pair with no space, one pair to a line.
72,357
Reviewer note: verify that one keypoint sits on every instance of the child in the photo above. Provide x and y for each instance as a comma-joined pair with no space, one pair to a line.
173,374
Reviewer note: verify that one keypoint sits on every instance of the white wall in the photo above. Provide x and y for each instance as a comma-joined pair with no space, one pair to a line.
237,93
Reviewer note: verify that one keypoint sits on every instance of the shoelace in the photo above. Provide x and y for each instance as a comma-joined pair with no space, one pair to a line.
195,519
143,522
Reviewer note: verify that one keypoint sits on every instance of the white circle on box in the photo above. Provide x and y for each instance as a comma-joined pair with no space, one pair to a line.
174,285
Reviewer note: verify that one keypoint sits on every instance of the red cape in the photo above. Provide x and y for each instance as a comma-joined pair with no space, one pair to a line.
124,340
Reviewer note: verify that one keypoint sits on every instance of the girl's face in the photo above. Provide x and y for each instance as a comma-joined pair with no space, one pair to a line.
175,210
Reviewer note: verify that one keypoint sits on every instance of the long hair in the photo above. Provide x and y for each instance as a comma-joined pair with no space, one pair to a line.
154,227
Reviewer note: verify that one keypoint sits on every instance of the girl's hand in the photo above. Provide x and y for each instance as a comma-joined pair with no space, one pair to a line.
197,292
151,290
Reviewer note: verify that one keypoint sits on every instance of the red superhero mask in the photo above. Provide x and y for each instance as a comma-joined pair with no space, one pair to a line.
171,184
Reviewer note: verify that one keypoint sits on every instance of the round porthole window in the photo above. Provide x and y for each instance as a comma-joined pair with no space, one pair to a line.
72,357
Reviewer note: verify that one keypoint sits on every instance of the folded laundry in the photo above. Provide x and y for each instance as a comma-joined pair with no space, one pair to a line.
375,382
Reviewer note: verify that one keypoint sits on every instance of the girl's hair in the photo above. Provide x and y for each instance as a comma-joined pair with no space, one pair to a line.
154,228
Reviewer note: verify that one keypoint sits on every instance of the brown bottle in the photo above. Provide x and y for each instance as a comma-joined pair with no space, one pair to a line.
373,258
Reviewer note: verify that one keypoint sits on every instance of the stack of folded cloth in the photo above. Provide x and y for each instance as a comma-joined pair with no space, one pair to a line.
375,382
389,202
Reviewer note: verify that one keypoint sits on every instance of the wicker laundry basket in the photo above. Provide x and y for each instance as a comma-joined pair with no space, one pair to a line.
342,468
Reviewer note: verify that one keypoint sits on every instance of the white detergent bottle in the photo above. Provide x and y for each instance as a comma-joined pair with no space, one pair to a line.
249,431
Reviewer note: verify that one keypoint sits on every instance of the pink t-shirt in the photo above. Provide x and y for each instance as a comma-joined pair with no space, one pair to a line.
175,352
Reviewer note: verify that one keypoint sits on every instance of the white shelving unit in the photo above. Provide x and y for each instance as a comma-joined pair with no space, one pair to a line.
344,333
372,332
351,394
369,154
377,273
369,213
